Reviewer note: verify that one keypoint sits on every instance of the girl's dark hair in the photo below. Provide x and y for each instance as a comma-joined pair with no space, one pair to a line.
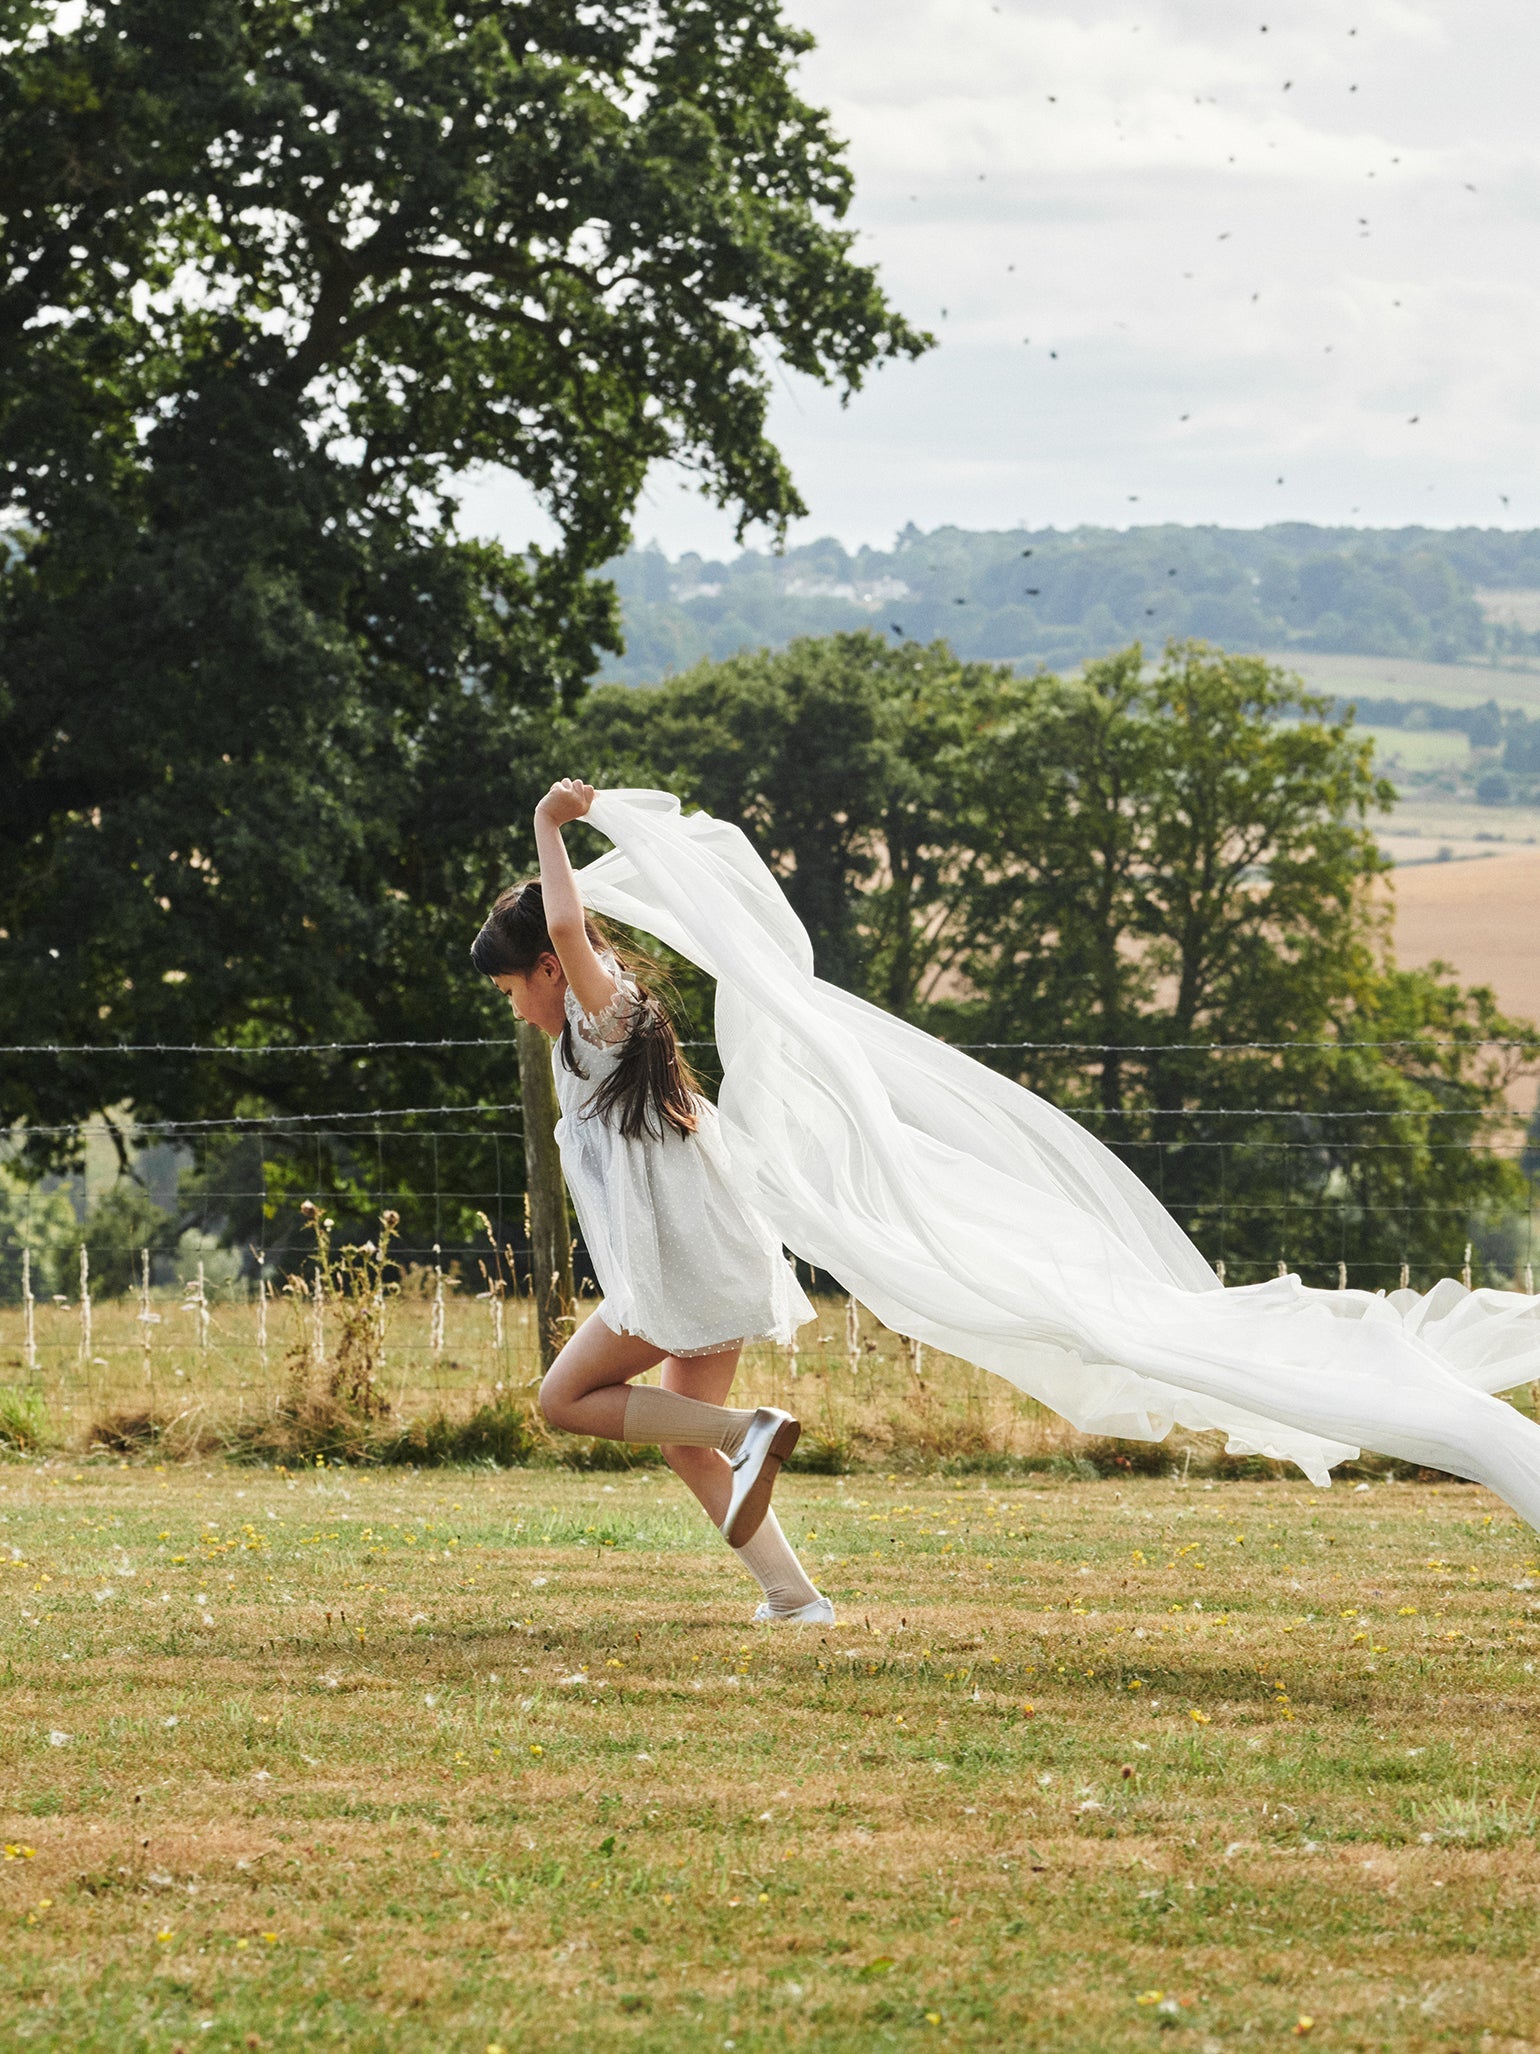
651,1087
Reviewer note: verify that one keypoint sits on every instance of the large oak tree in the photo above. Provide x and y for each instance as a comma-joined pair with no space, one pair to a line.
273,276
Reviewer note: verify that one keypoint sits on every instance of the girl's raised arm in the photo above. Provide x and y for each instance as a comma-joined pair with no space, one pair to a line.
569,799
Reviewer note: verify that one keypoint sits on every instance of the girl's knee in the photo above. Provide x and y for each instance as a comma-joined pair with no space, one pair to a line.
551,1398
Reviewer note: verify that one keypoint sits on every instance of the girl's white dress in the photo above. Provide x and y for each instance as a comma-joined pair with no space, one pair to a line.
683,1262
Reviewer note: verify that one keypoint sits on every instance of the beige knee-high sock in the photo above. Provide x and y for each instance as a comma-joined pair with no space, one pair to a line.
770,1561
653,1414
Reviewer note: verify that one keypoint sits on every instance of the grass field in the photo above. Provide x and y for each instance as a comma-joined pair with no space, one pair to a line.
1404,677
475,1760
1426,748
855,1388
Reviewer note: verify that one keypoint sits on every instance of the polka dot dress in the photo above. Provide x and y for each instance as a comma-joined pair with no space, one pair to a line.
683,1262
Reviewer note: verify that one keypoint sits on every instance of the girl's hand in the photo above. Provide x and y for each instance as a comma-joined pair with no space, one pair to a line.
568,799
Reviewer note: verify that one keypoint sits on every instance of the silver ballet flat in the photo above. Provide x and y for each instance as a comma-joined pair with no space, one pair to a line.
770,1439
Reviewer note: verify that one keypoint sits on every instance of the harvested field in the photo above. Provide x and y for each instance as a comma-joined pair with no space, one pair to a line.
1479,916
472,1761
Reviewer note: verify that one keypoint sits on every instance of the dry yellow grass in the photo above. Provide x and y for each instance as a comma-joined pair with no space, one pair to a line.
467,1760
864,1402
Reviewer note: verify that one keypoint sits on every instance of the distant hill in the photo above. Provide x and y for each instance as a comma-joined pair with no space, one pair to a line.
1054,598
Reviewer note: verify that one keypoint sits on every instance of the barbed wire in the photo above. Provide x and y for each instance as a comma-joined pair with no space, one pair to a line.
255,1121
1530,1046
262,1048
1281,1112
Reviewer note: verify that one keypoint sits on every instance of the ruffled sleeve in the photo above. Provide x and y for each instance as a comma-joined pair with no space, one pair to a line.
609,1028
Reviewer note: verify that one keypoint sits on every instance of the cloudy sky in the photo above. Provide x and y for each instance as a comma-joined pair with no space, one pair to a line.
1203,260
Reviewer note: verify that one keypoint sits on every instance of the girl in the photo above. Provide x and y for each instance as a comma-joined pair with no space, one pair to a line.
689,1272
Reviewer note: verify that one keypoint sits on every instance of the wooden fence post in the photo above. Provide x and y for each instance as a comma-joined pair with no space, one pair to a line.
550,1233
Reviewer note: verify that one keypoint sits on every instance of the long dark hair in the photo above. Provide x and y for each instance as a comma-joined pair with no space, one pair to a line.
651,1088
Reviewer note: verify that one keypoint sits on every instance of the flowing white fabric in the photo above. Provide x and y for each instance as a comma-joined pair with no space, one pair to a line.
969,1213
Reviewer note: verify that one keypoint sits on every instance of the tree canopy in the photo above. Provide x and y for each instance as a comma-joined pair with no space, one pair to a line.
272,278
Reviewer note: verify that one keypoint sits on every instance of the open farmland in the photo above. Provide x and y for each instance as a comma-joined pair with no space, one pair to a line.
1480,916
475,1760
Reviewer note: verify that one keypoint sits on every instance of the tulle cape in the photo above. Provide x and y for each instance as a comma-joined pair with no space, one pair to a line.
968,1212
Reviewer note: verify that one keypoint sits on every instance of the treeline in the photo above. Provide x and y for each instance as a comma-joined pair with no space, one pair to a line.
1050,597
266,712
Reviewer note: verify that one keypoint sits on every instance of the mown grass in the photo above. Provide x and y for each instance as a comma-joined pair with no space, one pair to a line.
465,1759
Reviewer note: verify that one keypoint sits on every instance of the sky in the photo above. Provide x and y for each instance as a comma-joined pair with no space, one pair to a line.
1229,261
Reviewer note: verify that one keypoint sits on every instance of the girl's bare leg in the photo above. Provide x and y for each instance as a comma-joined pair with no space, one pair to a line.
584,1390
587,1390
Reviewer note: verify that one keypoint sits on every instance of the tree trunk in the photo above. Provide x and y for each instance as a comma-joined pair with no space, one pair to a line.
550,1236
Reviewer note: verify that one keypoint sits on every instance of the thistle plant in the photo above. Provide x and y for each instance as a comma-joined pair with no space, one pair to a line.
355,1285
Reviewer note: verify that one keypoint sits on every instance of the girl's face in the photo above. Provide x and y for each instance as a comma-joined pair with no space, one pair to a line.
537,995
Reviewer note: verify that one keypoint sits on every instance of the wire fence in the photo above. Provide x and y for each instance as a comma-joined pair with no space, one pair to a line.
186,1291
1374,1196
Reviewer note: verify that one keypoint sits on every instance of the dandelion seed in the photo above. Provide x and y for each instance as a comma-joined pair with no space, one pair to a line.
58,1739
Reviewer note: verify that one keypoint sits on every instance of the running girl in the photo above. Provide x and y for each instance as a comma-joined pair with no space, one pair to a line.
689,1271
